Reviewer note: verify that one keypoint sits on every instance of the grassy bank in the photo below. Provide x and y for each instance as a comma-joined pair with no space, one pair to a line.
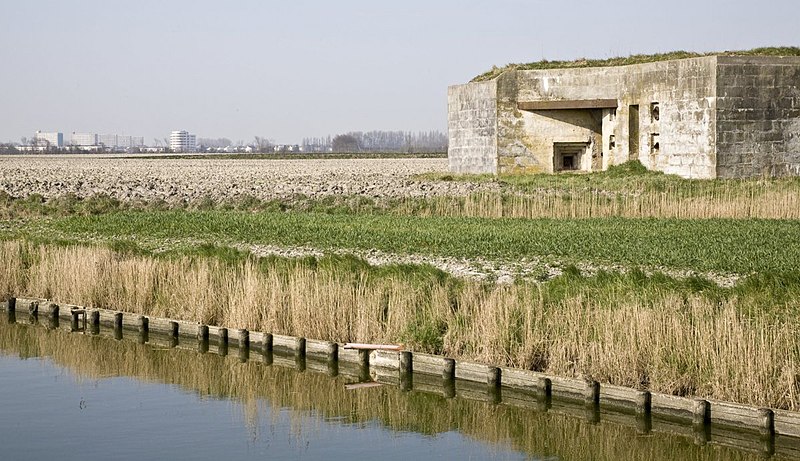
683,337
729,246
258,387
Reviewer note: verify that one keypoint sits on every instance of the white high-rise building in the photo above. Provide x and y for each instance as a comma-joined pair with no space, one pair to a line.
53,139
182,141
83,139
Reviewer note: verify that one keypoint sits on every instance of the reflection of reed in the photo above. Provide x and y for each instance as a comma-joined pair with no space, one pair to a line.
539,434
666,340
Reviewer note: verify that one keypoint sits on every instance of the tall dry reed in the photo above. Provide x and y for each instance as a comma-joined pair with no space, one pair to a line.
727,201
666,341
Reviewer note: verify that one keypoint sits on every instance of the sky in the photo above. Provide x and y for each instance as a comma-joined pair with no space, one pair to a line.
293,69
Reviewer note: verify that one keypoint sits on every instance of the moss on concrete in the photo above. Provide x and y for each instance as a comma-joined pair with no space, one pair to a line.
633,59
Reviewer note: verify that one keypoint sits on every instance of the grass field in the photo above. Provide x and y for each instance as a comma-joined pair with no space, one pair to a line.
737,246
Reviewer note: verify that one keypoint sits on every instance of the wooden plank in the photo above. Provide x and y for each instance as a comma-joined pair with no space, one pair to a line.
372,347
284,343
624,398
389,360
349,356
428,364
471,371
787,423
322,349
568,104
670,406
568,388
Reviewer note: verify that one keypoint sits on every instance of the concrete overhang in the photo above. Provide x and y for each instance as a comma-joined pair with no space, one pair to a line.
573,104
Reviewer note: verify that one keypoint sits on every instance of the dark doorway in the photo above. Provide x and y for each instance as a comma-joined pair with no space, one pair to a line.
633,132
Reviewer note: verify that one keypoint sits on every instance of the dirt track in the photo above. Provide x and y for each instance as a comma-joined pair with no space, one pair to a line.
190,179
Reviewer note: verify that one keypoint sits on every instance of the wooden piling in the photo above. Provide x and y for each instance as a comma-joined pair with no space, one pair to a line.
333,352
202,339
94,322
406,363
244,339
174,329
449,369
222,341
493,377
300,347
701,413
766,418
543,388
118,321
143,324
266,346
591,396
643,402
11,305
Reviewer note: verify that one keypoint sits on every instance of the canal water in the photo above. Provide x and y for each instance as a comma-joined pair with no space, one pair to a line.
68,395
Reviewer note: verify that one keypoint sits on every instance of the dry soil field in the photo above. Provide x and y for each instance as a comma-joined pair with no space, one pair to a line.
188,179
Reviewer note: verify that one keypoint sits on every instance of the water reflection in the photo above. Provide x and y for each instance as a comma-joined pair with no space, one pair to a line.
258,379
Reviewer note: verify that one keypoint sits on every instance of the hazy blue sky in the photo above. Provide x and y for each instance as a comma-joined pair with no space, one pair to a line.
291,69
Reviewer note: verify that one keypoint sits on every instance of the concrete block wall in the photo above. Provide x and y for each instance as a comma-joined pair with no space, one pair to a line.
472,127
758,117
683,89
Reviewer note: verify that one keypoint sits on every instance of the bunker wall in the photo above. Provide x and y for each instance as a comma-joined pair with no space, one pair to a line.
679,141
758,117
472,128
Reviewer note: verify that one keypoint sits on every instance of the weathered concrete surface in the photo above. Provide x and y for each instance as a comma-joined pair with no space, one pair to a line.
758,117
703,117
472,128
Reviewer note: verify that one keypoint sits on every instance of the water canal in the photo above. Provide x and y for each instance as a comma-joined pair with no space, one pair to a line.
81,396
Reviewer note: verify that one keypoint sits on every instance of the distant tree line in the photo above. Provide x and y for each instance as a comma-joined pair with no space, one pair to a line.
379,141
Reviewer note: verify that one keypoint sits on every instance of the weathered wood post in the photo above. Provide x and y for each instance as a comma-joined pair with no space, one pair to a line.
591,395
53,316
244,345
449,369
33,312
118,321
363,365
300,354
222,341
266,348
95,322
143,326
493,381
543,393
11,310
701,421
406,371
448,378
332,353
202,339
644,420
766,430
174,333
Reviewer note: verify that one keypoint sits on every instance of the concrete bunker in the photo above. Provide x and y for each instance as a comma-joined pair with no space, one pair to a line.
695,117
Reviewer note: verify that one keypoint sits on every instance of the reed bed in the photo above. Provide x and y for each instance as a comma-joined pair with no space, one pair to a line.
663,337
729,202
274,389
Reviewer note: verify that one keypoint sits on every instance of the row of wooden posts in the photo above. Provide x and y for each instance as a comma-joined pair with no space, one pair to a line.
401,367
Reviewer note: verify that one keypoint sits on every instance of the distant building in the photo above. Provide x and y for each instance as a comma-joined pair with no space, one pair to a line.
83,139
182,141
51,139
107,140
